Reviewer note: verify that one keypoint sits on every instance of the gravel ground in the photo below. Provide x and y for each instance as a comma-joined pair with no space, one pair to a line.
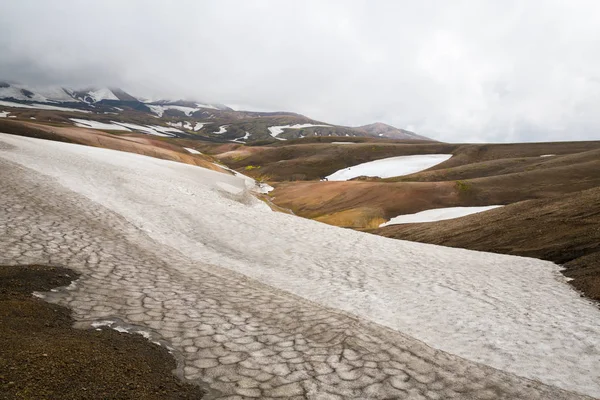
43,357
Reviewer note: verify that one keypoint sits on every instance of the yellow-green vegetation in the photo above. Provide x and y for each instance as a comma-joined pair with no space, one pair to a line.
239,158
463,187
251,167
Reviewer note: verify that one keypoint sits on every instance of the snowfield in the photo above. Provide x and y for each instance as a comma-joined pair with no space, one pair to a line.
437,214
275,131
514,314
86,123
390,167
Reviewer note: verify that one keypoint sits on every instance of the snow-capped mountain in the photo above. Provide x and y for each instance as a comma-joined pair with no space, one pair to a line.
56,94
49,94
212,118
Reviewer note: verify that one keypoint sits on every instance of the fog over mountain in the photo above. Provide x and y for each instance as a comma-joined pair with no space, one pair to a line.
456,71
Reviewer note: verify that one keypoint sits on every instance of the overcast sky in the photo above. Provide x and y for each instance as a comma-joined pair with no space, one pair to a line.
498,71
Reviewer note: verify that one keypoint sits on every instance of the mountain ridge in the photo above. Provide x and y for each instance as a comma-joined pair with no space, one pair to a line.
223,122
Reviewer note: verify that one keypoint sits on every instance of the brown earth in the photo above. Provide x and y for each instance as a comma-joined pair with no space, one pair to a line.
563,229
360,204
301,162
314,160
42,357
355,204
129,142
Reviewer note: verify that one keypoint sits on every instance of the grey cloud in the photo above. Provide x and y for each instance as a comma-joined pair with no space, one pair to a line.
456,71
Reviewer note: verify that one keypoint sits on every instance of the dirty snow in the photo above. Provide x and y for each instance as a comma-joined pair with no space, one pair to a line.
390,167
512,313
4,114
438,214
86,123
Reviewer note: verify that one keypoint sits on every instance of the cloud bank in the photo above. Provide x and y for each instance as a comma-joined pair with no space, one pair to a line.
499,71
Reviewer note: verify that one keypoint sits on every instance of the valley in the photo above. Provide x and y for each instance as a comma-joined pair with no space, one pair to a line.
356,291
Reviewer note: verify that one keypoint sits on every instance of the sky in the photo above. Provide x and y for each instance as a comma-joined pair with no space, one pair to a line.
457,71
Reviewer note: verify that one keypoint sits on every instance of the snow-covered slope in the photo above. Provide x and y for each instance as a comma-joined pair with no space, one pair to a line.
46,94
514,314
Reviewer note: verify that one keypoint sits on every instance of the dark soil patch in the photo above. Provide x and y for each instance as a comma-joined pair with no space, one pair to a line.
43,357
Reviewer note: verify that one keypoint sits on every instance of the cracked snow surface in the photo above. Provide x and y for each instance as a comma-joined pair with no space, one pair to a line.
256,304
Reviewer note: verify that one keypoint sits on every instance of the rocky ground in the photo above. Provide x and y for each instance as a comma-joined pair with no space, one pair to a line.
43,357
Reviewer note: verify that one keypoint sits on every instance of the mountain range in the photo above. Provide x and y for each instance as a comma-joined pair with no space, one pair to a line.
186,118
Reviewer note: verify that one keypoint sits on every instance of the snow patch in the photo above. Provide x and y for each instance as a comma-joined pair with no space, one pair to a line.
222,130
4,114
278,130
199,125
547,155
200,105
193,151
159,110
144,129
390,167
437,214
164,129
242,139
102,94
86,123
